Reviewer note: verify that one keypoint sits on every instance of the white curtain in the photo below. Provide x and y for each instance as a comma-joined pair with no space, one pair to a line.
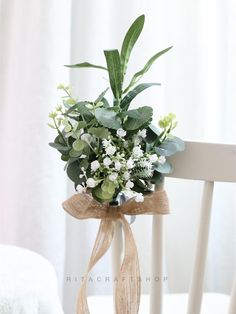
198,77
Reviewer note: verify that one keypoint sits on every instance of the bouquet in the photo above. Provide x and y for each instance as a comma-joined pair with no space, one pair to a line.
108,147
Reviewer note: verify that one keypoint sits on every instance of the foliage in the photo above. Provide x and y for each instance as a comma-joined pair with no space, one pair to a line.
109,148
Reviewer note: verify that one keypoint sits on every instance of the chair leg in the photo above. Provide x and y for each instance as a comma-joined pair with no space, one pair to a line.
196,287
156,297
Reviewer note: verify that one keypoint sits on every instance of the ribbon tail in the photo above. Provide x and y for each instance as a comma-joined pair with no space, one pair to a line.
101,245
128,286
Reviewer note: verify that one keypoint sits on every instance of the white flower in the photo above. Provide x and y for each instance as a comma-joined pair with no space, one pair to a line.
129,185
126,175
83,156
139,198
137,152
120,132
95,165
130,163
112,177
142,133
136,140
105,143
118,165
162,159
153,158
107,161
91,183
110,150
80,188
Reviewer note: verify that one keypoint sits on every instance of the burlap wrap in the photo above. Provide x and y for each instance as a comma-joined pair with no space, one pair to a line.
83,206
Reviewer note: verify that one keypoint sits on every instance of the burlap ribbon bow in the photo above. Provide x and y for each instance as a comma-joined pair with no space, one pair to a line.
83,206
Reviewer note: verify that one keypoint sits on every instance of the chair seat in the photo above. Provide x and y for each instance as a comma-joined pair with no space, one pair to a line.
28,283
213,303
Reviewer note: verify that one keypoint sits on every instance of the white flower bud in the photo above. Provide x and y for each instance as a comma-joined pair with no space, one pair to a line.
162,159
118,165
142,133
153,158
137,152
130,163
80,188
126,175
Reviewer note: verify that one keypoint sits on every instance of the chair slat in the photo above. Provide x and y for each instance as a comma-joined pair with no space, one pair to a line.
204,161
157,273
232,306
196,286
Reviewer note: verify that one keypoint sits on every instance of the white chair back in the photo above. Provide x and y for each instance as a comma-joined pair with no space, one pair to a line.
199,161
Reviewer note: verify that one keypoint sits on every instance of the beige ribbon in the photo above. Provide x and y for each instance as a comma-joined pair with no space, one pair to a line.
83,206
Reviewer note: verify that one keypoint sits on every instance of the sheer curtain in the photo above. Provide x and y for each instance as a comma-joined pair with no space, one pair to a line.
198,77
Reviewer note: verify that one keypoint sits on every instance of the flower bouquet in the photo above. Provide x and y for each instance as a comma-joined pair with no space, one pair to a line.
111,149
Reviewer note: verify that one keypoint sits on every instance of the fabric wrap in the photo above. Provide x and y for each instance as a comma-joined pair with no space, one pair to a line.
84,206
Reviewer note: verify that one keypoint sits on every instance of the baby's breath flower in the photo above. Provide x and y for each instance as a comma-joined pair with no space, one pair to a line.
121,133
112,177
129,185
110,150
142,133
130,163
95,165
106,143
126,175
139,198
118,165
107,161
137,152
91,183
153,158
136,140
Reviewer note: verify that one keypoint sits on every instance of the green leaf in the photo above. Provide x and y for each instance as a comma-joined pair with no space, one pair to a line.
114,70
105,102
73,171
133,93
102,195
59,147
163,168
86,65
170,146
84,163
137,76
100,97
100,132
152,134
138,117
130,40
78,145
74,153
107,118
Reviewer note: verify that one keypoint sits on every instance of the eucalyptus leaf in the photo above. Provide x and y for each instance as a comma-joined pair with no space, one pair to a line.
74,153
152,134
78,145
137,76
125,102
138,117
74,171
107,118
170,146
130,40
86,65
100,132
114,71
163,168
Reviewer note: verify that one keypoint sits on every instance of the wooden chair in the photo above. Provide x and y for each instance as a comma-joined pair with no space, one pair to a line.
195,165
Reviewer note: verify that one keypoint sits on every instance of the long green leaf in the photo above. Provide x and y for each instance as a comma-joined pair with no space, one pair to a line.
129,41
137,76
114,70
86,65
138,117
101,96
133,93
